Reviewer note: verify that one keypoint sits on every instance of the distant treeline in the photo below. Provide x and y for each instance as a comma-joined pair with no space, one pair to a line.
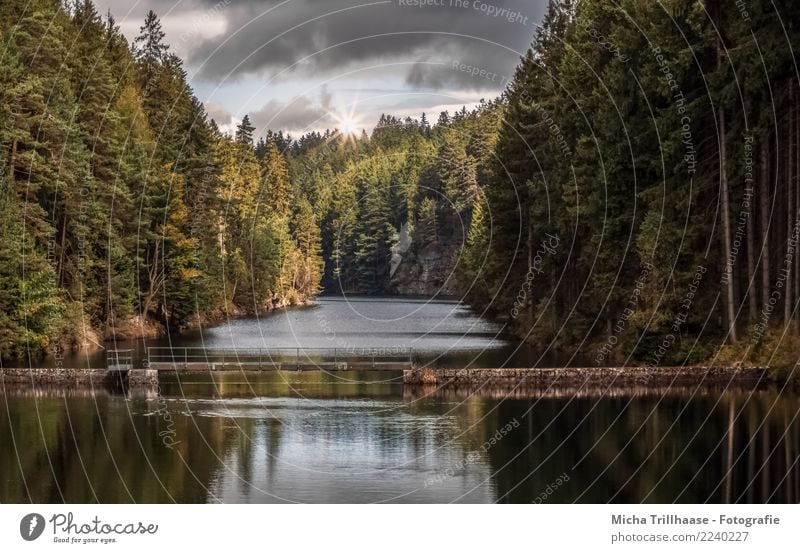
409,175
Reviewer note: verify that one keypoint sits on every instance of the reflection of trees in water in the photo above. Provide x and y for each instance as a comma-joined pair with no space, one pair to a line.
84,449
302,384
747,450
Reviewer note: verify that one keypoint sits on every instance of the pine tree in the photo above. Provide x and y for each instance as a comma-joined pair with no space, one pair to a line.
244,132
275,178
309,246
150,48
427,232
474,255
424,125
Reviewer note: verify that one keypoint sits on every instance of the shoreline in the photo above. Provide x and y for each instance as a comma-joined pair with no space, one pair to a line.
150,329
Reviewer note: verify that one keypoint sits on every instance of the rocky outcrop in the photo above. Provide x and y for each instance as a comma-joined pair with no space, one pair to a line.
425,271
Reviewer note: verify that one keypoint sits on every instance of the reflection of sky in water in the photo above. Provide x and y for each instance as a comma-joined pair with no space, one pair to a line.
421,325
339,450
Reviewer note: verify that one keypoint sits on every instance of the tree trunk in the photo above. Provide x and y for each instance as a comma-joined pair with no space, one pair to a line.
752,287
764,194
796,185
750,196
12,159
60,271
728,295
790,210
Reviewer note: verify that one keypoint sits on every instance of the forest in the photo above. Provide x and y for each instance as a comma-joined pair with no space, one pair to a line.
659,142
633,193
125,209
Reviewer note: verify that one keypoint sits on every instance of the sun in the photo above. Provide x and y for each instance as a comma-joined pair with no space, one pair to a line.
348,125
347,121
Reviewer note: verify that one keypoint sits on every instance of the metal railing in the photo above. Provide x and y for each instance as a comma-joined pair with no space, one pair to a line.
119,359
282,357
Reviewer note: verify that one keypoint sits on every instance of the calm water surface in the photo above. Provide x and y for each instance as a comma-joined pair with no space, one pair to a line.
439,333
359,437
363,437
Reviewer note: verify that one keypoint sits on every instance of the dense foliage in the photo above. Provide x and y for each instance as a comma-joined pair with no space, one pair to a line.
123,207
408,178
645,191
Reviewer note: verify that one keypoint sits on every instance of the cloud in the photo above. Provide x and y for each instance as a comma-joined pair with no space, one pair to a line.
299,114
438,56
186,22
218,113
280,38
325,97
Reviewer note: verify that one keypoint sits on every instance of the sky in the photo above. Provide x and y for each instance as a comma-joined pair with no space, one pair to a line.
301,65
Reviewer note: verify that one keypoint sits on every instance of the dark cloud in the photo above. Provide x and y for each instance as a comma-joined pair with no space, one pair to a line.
316,37
296,115
425,51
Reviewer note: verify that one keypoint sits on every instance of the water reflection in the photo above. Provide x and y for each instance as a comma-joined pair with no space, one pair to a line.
345,437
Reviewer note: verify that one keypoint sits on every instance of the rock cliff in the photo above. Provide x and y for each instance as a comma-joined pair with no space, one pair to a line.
425,271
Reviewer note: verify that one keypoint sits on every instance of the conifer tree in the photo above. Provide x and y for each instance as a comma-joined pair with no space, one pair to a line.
244,132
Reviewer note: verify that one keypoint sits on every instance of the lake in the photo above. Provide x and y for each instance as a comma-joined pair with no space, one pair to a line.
438,332
363,437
